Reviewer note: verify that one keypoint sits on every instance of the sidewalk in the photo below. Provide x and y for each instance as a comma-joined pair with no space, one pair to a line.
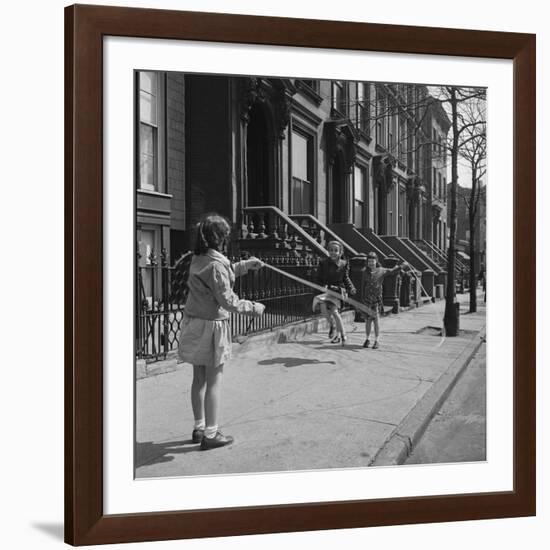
308,404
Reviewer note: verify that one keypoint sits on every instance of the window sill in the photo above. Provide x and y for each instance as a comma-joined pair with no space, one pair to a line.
154,193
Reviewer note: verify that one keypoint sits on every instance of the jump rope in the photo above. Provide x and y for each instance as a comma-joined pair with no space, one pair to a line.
357,305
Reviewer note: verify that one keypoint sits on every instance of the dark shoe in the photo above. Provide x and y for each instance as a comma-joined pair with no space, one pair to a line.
197,435
366,344
375,345
335,340
219,440
343,340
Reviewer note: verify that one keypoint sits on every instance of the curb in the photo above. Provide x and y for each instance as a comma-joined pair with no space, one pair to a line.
284,334
407,434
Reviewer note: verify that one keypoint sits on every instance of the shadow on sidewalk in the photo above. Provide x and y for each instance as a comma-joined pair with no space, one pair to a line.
155,453
290,362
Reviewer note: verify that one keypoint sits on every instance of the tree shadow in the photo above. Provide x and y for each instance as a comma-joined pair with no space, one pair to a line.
148,453
291,362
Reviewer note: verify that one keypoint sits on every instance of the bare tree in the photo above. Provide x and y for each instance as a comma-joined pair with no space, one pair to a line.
463,131
457,102
474,151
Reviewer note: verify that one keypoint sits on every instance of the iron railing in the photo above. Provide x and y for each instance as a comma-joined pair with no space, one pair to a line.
159,306
161,294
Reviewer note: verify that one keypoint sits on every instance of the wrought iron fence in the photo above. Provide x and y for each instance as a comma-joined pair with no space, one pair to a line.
285,300
161,294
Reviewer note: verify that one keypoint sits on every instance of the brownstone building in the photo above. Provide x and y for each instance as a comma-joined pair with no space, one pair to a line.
293,163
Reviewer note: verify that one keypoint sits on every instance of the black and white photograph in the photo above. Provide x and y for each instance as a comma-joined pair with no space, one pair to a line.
310,274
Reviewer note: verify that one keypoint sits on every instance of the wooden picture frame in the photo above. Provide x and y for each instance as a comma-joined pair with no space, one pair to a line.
85,27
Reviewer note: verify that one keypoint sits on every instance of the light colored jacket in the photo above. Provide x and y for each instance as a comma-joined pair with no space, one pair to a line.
210,282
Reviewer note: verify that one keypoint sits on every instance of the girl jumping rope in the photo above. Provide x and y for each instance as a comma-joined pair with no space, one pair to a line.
333,273
373,278
205,338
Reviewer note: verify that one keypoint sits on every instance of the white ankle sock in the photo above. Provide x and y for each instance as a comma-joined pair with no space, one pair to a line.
210,431
199,424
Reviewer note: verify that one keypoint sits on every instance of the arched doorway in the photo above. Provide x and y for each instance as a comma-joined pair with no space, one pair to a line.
258,159
338,188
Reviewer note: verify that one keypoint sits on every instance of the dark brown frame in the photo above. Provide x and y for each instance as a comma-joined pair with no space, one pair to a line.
85,27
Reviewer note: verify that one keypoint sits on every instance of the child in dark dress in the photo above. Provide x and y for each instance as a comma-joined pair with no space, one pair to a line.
333,272
373,279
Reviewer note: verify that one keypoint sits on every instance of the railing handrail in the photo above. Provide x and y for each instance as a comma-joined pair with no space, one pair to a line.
310,240
333,236
458,262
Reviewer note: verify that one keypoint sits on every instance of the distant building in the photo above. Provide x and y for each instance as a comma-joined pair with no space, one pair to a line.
463,228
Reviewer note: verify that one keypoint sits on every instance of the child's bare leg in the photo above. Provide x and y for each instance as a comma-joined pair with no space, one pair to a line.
198,389
326,313
337,320
376,327
376,331
368,326
212,398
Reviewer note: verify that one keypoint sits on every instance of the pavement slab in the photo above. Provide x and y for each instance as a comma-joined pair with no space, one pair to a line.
304,403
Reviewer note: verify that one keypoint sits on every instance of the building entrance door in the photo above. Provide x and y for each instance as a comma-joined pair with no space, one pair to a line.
258,160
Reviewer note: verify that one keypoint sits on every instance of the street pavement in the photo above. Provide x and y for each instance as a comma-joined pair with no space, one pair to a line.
457,433
306,403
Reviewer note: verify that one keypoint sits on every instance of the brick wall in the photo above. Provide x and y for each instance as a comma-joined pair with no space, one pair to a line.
175,150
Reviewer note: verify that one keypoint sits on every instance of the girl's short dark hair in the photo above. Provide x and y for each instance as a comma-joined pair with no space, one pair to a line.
212,231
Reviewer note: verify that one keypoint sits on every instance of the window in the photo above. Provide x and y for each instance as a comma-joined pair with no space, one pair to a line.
363,107
392,130
339,96
434,182
402,229
440,186
410,144
313,84
149,124
402,139
360,197
434,140
392,210
381,119
149,248
301,185
444,189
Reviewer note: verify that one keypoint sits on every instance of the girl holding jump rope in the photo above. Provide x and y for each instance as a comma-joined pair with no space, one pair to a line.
333,273
373,279
205,337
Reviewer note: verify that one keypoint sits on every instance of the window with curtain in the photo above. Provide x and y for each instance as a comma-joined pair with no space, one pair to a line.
360,196
148,130
339,96
392,130
381,118
301,185
403,225
363,108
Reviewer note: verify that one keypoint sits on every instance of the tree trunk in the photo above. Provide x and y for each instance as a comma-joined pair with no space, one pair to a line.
472,220
451,314
473,281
